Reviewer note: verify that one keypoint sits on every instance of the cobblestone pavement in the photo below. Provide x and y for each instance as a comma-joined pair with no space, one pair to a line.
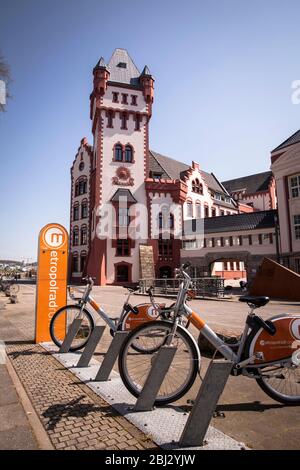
73,416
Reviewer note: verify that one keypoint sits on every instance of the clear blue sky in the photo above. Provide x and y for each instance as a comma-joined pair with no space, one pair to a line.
223,71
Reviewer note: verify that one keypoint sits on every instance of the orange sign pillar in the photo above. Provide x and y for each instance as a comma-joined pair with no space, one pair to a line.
51,284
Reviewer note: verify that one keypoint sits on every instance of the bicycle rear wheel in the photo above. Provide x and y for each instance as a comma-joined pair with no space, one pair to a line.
63,319
134,366
281,383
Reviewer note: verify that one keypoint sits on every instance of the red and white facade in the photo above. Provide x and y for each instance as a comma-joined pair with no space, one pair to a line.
123,194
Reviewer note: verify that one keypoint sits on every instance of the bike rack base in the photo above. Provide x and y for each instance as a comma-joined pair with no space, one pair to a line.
90,347
155,378
205,404
111,356
65,347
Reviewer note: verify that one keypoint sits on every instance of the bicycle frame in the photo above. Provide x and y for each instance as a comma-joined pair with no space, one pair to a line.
181,308
88,299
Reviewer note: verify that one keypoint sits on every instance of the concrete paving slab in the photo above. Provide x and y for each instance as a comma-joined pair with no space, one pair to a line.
163,425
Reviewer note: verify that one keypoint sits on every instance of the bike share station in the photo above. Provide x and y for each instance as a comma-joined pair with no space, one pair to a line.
170,427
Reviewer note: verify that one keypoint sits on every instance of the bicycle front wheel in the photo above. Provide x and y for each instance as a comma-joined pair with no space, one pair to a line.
134,366
62,321
14,289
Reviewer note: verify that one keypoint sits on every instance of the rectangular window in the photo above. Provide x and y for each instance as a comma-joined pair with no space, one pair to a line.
115,97
198,211
189,209
297,226
231,265
75,264
124,98
76,213
295,186
260,239
156,176
123,216
82,262
122,247
110,119
250,239
206,211
84,211
137,122
225,266
123,121
82,187
133,100
213,212
165,247
222,212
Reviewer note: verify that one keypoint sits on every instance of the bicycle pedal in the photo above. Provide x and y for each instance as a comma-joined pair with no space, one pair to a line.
219,414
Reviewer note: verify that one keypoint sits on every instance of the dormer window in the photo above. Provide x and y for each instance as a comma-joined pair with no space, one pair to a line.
122,65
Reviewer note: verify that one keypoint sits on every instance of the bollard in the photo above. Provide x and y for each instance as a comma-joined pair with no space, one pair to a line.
111,356
205,404
70,335
90,347
158,371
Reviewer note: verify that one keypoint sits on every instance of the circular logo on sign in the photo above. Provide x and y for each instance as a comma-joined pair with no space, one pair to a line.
295,328
152,312
54,237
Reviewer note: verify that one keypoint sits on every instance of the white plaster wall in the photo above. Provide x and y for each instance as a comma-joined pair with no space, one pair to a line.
285,166
260,201
204,199
136,139
255,248
108,99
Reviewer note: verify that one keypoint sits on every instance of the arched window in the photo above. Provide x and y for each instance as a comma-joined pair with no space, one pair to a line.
83,256
189,209
197,187
81,186
75,236
83,235
84,209
128,154
75,263
198,210
76,211
118,153
171,221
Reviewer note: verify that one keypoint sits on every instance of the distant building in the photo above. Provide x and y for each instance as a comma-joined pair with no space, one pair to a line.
257,191
286,169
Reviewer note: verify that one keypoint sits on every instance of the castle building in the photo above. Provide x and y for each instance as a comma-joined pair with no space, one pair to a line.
124,195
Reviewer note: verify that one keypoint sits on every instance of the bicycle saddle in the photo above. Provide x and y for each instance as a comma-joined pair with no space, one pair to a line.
258,301
132,288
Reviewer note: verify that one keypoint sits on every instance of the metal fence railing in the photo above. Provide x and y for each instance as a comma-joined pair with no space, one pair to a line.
203,286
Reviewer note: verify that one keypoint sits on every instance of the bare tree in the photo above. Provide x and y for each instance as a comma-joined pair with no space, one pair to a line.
5,78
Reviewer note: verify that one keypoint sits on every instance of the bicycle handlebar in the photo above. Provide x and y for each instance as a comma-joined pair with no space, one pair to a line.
89,280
